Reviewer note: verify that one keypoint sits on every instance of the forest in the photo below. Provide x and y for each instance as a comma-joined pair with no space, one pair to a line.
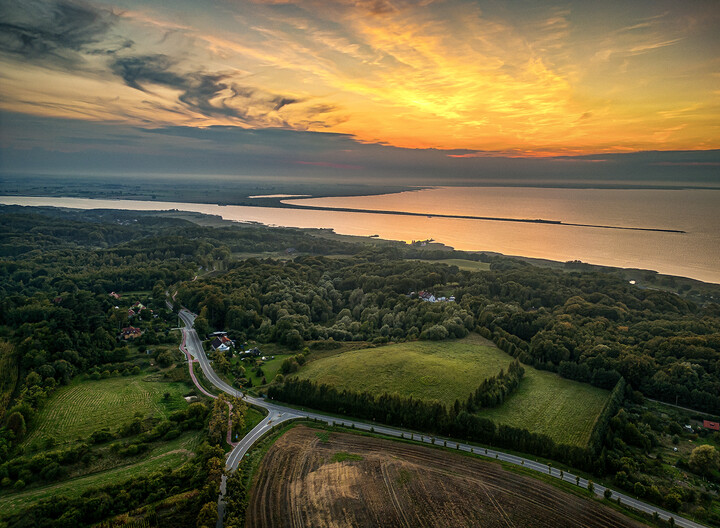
58,320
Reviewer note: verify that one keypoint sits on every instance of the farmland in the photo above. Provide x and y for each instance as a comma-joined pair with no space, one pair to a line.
81,408
352,480
544,402
421,369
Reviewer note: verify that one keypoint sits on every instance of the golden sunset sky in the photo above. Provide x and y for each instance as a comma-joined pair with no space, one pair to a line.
519,78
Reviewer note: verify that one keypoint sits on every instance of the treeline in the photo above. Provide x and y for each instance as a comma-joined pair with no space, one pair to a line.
429,416
494,390
611,407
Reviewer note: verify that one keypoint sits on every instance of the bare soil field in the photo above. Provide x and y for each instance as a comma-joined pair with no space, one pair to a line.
320,479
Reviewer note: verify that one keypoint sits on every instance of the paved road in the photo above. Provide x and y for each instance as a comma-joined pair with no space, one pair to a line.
279,413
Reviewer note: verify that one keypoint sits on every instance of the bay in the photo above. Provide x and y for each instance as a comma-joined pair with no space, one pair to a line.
694,253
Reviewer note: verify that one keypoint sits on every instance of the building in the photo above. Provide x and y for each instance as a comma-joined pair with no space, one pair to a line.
222,344
130,332
713,426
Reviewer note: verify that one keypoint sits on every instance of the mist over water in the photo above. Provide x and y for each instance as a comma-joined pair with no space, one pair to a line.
695,253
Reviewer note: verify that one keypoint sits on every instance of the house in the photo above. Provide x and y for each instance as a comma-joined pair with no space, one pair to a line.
131,312
217,334
130,332
115,295
689,428
139,307
57,300
714,426
220,344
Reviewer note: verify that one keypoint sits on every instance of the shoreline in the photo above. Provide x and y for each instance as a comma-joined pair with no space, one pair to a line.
217,218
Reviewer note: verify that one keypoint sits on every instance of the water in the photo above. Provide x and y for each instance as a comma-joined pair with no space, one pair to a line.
695,253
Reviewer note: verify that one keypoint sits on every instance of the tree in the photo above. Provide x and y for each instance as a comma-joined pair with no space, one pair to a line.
207,518
16,423
704,459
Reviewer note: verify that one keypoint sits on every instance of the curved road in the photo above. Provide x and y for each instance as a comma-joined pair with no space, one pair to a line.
279,413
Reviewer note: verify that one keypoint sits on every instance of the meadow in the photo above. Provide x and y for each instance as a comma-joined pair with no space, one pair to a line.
77,410
422,369
544,402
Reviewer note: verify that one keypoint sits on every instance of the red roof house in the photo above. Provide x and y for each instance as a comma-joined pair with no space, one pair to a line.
130,332
715,426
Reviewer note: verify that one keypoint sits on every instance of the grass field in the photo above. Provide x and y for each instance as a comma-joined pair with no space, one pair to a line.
463,264
544,402
166,455
421,369
563,409
81,408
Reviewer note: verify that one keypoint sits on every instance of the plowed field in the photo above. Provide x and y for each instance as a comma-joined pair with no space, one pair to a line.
347,480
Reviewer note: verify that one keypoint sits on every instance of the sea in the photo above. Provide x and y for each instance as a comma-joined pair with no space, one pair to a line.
675,232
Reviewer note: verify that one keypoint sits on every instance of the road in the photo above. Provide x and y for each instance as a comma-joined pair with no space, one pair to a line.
279,413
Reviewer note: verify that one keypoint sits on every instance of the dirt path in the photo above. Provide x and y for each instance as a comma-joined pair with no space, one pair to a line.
300,483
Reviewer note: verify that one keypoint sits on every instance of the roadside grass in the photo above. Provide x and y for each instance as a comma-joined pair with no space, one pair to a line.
77,410
545,403
462,264
442,371
166,455
252,418
269,368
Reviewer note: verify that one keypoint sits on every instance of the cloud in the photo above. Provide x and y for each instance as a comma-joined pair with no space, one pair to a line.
210,94
57,32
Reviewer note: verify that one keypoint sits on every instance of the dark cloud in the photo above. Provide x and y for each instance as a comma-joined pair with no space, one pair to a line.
57,32
147,69
210,94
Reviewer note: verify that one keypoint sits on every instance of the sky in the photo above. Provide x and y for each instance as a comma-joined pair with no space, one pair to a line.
453,86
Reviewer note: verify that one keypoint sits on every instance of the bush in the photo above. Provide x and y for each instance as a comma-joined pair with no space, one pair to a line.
435,333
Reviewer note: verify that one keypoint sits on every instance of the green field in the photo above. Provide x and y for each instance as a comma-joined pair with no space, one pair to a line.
76,411
544,402
167,455
429,370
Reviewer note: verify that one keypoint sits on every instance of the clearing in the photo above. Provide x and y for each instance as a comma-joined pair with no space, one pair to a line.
563,409
429,370
77,410
352,480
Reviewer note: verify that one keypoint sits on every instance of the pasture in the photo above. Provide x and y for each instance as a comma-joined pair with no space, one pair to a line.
428,370
543,403
77,410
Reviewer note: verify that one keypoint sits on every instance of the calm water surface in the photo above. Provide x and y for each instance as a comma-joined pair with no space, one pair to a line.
695,253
